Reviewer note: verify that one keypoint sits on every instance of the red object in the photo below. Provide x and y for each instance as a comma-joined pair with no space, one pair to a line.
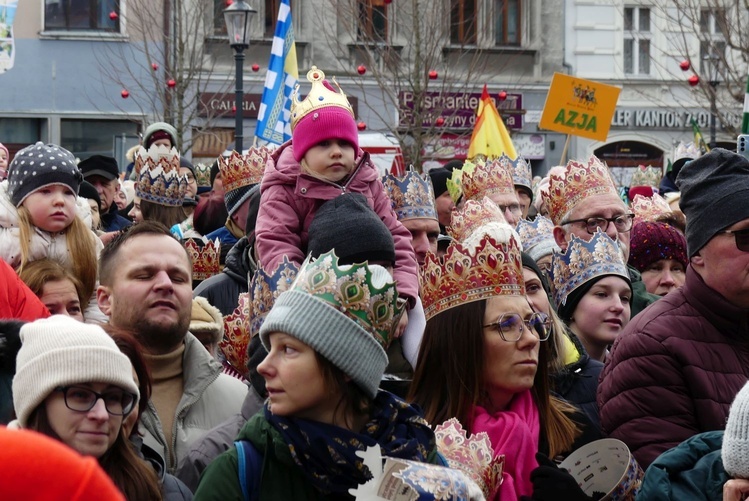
439,122
684,65
255,67
171,83
154,66
361,69
113,15
361,126
125,94
388,2
694,80
234,109
229,2
502,95
433,75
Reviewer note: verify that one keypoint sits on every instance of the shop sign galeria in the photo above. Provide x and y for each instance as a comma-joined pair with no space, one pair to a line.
635,118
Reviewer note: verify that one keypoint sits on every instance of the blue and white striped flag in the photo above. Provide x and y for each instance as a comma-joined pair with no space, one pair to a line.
274,115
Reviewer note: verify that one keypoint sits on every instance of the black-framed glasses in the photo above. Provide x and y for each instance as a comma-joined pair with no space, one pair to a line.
117,402
622,223
510,326
742,238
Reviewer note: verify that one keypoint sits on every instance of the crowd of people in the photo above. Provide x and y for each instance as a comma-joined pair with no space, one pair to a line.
263,327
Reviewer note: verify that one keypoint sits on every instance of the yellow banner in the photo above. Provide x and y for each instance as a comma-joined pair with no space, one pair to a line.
579,107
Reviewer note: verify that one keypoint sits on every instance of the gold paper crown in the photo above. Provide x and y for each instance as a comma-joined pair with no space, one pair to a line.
454,184
243,170
236,339
520,169
203,174
319,96
688,150
159,180
578,182
649,208
583,261
463,276
412,196
205,260
646,176
473,455
465,221
486,178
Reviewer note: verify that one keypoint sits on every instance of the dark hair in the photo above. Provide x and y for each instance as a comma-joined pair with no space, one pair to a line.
130,347
353,399
210,214
675,219
168,216
111,250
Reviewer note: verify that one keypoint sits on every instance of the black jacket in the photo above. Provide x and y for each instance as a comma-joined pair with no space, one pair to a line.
223,290
112,221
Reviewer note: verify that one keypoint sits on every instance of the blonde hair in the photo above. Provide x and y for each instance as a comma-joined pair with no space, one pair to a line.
38,273
81,248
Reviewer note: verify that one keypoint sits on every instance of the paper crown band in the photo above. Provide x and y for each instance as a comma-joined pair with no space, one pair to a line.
319,96
412,196
579,181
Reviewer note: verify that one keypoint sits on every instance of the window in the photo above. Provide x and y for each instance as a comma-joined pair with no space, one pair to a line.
463,21
80,15
507,28
713,31
373,20
637,35
84,138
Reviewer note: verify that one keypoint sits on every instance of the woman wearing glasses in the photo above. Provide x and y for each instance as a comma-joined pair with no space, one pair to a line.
74,385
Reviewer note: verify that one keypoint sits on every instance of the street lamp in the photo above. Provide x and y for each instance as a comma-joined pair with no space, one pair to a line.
712,67
237,17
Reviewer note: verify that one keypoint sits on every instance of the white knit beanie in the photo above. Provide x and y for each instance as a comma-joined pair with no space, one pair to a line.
735,449
60,351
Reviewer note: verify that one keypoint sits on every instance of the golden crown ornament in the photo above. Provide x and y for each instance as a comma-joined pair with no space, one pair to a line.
486,178
520,169
236,340
239,170
474,216
205,258
203,174
646,176
579,181
455,183
411,196
320,96
649,208
158,179
465,275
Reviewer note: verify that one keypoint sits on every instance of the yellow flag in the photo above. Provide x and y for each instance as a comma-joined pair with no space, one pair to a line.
490,137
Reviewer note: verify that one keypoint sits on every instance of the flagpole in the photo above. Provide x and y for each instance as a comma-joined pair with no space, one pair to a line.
564,151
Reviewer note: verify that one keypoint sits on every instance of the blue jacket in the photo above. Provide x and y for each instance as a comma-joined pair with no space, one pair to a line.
112,221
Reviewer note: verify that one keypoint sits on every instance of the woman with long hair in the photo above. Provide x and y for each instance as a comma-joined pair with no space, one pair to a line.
60,291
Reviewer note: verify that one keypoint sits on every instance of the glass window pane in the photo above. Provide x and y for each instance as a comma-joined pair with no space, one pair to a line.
84,138
705,21
629,14
644,20
628,59
20,130
76,15
513,22
644,57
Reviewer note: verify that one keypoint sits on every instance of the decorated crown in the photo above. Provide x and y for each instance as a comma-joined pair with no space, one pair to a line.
534,232
205,259
473,455
520,169
159,180
486,178
646,176
321,95
412,196
236,339
203,174
351,290
584,261
649,208
243,170
687,150
265,290
463,276
455,183
578,182
473,215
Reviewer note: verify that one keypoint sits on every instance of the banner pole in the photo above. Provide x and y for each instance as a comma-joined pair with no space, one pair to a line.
562,160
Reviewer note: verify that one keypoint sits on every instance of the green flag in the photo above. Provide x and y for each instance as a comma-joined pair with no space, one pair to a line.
698,139
745,122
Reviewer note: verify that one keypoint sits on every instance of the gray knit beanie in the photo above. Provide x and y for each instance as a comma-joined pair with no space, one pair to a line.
337,333
41,165
714,189
60,351
735,450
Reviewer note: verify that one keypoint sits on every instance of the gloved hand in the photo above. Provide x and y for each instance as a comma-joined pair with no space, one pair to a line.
553,483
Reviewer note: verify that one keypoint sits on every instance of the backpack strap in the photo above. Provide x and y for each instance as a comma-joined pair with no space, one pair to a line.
250,467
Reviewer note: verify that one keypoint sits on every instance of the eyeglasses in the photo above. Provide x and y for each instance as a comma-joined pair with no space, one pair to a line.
742,238
515,209
511,325
622,223
79,399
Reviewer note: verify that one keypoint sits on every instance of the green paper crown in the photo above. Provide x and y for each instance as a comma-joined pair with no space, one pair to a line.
351,291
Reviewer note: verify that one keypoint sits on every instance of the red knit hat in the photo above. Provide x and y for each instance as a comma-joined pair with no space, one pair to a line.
35,467
651,242
331,122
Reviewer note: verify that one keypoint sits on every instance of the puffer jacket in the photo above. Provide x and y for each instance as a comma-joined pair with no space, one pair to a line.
674,370
172,488
208,399
290,199
223,290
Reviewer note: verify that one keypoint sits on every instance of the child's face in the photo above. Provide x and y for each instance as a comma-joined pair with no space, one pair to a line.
3,164
332,159
52,208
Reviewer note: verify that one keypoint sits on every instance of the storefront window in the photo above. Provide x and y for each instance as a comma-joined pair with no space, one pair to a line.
94,137
17,133
75,15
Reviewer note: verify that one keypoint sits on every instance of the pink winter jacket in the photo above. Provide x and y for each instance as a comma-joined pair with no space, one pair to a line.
290,199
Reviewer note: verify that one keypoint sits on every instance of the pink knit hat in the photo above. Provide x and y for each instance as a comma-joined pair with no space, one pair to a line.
331,122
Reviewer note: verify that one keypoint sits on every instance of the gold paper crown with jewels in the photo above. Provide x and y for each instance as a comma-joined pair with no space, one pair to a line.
319,96
412,196
579,181
583,261
205,259
236,339
520,169
203,174
646,176
649,208
486,178
243,170
473,455
158,179
473,215
463,276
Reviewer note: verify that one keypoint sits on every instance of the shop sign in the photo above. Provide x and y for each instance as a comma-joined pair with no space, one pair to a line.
219,104
449,146
660,118
458,109
579,107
